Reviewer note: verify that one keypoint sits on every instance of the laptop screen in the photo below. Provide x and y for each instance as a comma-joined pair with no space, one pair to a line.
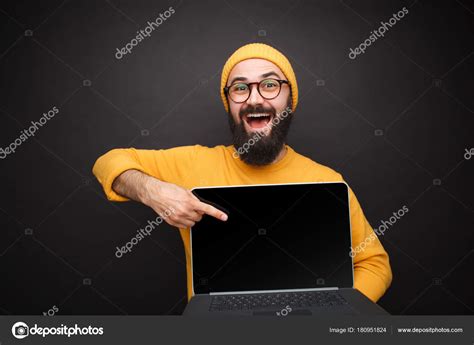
277,237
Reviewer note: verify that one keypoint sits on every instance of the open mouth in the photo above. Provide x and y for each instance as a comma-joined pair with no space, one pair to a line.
257,120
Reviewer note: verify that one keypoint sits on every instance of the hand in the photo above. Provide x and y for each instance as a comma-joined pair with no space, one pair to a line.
176,205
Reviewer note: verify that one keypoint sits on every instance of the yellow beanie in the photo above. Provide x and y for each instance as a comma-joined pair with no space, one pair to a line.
260,51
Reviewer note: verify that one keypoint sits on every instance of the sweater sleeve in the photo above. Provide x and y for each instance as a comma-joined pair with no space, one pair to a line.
170,165
372,272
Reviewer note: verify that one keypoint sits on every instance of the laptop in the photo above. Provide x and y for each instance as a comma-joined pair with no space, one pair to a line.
284,251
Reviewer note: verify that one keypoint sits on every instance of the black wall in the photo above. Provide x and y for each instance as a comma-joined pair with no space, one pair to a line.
395,122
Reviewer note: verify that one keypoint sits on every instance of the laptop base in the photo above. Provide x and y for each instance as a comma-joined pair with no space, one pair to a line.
357,304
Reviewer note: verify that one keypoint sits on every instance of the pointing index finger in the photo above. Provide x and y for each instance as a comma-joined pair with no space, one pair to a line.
211,210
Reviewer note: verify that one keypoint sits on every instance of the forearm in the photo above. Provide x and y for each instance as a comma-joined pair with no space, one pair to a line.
371,283
132,184
372,271
373,274
111,165
170,165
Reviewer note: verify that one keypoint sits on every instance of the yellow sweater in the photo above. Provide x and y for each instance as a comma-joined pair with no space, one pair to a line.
196,166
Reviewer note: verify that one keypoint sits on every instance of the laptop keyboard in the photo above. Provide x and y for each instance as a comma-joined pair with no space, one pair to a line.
276,300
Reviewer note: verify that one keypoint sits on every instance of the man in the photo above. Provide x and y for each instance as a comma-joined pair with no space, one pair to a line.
260,95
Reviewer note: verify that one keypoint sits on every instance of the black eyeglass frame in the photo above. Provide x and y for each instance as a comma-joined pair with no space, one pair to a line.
280,81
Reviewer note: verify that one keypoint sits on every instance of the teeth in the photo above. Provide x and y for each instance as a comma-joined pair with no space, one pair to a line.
257,115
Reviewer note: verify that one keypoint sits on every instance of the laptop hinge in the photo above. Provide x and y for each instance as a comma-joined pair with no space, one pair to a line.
271,291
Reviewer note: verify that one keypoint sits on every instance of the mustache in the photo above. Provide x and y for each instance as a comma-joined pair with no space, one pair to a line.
257,109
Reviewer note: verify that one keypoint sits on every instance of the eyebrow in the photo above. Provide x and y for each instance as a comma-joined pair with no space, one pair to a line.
265,75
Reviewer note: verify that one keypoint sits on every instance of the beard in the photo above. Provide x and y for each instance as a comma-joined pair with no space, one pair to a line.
267,145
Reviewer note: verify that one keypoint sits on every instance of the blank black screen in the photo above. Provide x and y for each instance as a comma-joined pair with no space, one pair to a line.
276,237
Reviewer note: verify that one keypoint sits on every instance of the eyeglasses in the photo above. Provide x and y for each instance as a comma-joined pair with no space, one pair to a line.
267,88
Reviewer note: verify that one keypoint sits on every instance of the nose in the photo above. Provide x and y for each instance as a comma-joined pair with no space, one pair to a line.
255,98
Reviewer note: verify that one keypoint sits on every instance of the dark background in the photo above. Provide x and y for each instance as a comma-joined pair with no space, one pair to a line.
58,232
